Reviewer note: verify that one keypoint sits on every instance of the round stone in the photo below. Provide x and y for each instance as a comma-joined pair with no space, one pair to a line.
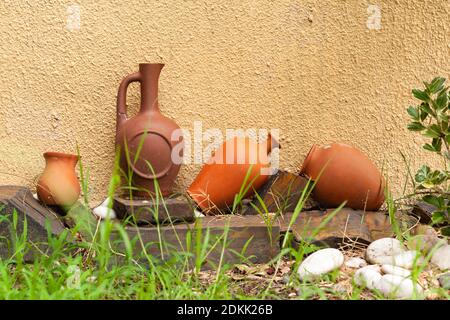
441,257
104,212
381,250
320,262
398,287
444,281
367,276
356,263
397,271
407,259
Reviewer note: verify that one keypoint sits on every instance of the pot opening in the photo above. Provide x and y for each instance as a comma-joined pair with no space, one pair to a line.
60,155
157,66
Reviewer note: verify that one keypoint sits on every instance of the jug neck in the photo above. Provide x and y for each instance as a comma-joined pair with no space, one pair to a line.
149,85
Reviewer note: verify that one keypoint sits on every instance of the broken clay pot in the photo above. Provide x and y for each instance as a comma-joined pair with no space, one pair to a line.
348,175
145,141
58,184
223,176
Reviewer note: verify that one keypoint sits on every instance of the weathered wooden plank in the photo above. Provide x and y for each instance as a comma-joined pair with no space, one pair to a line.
346,226
281,193
21,200
250,232
144,211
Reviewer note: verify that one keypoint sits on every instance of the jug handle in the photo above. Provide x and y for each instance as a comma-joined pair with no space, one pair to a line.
122,96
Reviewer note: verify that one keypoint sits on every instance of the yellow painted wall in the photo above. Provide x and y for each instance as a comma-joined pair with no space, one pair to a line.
311,68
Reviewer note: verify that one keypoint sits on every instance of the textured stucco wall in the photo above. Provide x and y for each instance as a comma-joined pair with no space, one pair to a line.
311,68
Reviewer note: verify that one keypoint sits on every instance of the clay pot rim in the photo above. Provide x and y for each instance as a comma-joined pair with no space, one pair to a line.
51,154
151,64
308,158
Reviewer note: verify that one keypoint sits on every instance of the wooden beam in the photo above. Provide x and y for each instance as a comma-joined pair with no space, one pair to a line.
177,208
346,226
20,200
247,238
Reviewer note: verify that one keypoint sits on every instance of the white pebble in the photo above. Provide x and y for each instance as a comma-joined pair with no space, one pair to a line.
441,257
356,263
380,251
107,202
407,259
320,262
104,212
398,287
397,271
367,276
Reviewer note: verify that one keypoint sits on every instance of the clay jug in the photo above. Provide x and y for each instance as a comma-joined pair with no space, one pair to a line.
222,177
145,140
58,183
348,175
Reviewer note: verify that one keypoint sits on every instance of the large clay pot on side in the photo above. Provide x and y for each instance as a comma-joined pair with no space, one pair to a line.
147,137
348,175
58,183
221,178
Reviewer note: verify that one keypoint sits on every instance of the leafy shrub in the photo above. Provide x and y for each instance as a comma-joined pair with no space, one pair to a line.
431,119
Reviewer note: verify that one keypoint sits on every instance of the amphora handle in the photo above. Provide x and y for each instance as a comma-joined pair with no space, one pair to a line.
122,97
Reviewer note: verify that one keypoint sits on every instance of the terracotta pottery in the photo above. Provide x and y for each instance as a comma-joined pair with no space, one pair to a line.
58,184
348,175
145,140
222,177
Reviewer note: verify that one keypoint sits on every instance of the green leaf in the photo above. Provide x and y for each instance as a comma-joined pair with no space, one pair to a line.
436,128
436,84
421,95
442,99
442,117
438,217
437,144
415,126
445,231
438,202
437,177
429,147
424,107
413,112
434,131
422,173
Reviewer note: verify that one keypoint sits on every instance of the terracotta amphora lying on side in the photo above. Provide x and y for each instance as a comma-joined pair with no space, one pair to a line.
145,141
348,175
223,176
58,183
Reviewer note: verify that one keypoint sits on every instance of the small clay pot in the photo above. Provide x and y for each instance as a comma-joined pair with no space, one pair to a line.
348,175
58,184
222,177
